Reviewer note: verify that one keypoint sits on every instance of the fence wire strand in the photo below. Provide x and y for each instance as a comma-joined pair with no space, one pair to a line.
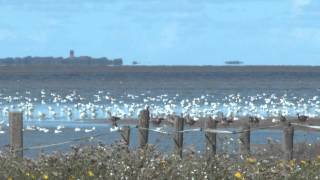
161,131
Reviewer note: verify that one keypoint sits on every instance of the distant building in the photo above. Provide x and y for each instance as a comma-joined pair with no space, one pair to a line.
84,57
71,54
233,62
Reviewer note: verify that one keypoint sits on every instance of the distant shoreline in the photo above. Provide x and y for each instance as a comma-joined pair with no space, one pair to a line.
96,67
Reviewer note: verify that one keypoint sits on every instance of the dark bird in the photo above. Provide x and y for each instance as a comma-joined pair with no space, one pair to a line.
157,120
223,120
189,120
282,118
171,119
113,119
254,119
302,118
230,119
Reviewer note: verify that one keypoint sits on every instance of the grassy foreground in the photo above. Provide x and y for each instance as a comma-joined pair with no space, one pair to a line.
114,162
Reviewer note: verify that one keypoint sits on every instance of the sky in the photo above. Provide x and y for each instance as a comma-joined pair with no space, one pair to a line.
165,32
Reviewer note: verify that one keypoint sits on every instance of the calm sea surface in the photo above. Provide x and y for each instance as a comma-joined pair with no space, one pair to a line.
240,90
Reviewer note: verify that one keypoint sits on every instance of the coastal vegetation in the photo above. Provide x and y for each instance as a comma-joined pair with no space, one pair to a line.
116,162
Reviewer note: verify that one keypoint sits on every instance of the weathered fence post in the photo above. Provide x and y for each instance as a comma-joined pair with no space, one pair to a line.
125,133
144,119
245,140
288,133
211,139
15,133
178,139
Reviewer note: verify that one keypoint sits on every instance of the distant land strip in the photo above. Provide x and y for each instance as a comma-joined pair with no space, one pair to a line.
84,60
87,67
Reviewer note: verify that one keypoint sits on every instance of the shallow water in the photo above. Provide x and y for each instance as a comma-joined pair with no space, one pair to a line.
193,141
49,99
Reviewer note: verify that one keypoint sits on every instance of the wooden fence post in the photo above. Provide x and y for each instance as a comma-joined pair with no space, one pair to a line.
211,138
288,133
125,133
144,119
16,134
245,140
178,139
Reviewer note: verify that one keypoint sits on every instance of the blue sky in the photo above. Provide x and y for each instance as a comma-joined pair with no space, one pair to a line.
172,32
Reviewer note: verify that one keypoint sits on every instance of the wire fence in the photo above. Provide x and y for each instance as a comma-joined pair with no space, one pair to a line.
158,130
163,131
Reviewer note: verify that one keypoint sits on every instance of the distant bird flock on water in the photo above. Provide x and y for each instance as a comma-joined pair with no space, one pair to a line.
52,106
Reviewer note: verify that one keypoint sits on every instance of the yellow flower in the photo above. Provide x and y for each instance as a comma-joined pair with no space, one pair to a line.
251,160
27,174
90,173
10,178
33,176
45,177
292,163
238,175
303,162
163,163
72,177
280,163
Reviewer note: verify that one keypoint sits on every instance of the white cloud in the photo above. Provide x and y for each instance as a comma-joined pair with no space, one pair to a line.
299,5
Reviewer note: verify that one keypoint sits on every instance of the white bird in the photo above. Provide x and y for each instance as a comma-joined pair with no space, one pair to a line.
115,128
1,131
59,127
41,115
45,130
89,130
57,131
31,128
83,115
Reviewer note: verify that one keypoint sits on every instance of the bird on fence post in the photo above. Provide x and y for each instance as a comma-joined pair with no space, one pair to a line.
302,118
157,120
254,119
171,119
231,118
223,120
189,120
114,120
282,118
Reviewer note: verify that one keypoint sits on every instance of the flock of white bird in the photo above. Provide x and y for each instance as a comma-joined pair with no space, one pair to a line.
50,106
